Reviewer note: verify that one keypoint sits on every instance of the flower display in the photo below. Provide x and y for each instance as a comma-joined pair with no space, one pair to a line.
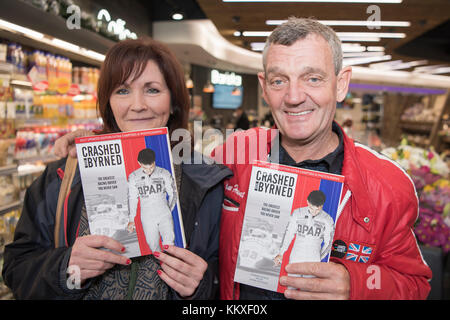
433,227
430,176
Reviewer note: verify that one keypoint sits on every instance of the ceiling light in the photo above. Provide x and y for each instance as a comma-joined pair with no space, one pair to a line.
208,87
376,48
362,54
344,36
237,34
440,70
257,46
352,47
371,34
189,83
256,33
362,39
337,1
385,65
355,61
407,65
363,23
428,68
177,16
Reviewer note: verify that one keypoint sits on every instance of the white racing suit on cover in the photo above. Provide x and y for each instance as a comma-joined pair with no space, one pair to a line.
157,193
310,233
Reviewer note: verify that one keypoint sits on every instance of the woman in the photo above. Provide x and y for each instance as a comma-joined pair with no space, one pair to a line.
141,86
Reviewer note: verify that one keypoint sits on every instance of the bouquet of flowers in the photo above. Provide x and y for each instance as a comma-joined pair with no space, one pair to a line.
430,176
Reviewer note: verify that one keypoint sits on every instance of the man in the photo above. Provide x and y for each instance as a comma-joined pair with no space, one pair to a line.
375,254
155,188
313,230
242,119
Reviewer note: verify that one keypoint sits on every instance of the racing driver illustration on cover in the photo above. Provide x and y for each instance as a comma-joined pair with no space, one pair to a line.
155,187
313,229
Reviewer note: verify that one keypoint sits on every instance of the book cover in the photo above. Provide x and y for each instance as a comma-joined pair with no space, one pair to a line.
130,189
289,217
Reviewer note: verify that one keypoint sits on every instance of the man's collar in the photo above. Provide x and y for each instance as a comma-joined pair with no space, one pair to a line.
333,160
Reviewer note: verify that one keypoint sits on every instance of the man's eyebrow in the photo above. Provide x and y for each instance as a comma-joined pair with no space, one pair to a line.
309,70
273,70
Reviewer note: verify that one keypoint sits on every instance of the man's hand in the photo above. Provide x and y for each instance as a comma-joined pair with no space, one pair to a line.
331,281
181,269
65,145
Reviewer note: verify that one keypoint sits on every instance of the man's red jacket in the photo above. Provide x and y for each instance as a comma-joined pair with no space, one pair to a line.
380,207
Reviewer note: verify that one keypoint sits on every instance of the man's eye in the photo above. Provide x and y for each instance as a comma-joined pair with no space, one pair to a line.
277,82
315,80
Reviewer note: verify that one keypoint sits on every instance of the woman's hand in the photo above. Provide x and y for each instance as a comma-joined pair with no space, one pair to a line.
91,261
65,145
182,270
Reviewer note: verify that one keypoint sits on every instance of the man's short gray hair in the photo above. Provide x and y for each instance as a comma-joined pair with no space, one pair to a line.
299,28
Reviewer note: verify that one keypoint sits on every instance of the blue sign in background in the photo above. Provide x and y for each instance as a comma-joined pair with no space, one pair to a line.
224,99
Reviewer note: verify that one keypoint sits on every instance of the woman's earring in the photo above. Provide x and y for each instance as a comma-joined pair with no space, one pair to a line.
171,110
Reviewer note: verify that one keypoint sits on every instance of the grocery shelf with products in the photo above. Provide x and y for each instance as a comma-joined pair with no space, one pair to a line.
42,96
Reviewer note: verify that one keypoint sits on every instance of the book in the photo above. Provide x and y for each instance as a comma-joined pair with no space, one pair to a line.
289,217
130,189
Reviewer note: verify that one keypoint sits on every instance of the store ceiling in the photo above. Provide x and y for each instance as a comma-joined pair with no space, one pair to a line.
427,37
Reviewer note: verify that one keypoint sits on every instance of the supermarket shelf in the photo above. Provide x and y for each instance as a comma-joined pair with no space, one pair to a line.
6,170
6,67
25,170
38,158
54,26
10,207
416,126
446,139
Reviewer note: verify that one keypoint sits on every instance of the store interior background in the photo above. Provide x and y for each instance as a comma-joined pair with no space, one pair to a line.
398,101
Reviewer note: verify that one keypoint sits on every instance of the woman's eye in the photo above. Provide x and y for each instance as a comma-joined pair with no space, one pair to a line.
121,91
152,90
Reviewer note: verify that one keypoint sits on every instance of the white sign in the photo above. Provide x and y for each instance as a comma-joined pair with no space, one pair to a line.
230,79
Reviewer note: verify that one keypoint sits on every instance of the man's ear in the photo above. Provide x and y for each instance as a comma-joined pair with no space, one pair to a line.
262,83
343,82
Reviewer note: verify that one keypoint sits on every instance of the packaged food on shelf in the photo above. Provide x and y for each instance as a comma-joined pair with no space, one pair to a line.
8,191
3,51
8,223
418,112
5,151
